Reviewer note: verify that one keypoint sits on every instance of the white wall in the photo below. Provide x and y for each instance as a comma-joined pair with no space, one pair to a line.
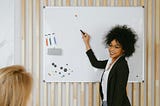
6,32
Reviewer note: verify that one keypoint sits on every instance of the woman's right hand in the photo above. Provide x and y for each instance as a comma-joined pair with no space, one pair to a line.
86,39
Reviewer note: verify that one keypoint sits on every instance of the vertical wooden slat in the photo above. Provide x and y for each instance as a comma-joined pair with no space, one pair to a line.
157,90
52,94
120,2
133,94
141,94
127,3
146,32
104,2
45,2
82,2
97,94
129,91
52,2
75,94
49,94
127,88
67,2
90,2
59,3
82,94
154,53
112,3
153,101
142,2
23,25
149,32
30,34
135,2
30,45
75,3
158,52
45,95
146,52
90,94
157,28
153,76
59,94
36,69
67,94
97,3
157,57
158,46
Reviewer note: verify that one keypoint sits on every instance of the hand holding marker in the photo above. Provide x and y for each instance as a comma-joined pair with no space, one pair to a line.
86,39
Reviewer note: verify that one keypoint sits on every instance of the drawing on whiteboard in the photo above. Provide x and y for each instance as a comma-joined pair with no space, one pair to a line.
60,71
51,44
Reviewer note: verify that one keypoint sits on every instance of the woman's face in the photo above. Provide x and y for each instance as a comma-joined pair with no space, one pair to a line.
115,49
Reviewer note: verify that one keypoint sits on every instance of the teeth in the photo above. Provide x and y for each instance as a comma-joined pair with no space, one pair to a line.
111,53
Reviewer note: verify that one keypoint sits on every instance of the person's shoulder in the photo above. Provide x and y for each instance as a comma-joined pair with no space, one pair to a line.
122,62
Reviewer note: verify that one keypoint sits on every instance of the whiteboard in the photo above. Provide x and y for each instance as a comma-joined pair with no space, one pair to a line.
6,33
64,57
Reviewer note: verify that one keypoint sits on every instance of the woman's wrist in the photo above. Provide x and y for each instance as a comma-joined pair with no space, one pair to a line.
88,47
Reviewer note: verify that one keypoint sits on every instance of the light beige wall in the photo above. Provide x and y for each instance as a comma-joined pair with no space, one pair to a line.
87,94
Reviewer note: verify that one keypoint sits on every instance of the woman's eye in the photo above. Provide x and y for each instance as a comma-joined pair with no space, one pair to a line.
110,45
117,47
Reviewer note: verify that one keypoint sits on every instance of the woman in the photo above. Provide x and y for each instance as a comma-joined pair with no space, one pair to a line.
120,41
15,86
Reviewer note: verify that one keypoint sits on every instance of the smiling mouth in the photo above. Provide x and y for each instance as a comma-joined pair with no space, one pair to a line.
111,53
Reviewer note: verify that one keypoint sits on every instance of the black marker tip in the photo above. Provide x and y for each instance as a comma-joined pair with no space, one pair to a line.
82,32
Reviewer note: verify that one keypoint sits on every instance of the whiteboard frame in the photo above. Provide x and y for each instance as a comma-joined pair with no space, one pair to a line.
144,46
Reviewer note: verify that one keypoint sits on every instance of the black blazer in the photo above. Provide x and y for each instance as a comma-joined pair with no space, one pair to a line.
117,80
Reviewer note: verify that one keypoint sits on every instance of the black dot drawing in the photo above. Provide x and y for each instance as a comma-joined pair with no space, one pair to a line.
61,68
65,70
61,71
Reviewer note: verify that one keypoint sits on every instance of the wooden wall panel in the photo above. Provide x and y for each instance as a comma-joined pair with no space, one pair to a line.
23,30
149,52
157,56
60,94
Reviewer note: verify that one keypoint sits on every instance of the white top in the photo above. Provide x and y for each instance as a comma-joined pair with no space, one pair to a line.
105,77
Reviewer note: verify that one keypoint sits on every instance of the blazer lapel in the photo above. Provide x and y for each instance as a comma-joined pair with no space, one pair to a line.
112,71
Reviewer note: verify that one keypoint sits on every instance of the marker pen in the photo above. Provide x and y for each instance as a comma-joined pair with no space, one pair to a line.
82,32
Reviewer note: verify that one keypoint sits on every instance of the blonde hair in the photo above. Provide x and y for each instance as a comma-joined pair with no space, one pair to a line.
15,86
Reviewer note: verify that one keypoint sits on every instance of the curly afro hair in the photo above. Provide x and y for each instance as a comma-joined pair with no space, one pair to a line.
125,36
